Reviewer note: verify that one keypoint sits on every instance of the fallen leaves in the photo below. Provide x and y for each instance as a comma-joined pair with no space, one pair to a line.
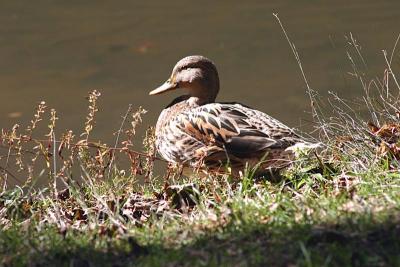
139,208
389,135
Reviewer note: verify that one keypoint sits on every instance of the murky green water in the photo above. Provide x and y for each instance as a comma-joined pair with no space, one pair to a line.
59,50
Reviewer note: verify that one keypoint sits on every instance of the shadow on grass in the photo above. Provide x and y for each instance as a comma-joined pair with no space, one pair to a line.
301,245
351,243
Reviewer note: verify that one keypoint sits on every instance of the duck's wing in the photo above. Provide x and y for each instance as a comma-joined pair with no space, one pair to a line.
233,129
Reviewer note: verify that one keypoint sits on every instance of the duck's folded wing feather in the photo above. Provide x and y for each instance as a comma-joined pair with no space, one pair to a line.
233,128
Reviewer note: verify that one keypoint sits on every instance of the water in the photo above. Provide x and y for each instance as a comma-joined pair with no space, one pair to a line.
59,50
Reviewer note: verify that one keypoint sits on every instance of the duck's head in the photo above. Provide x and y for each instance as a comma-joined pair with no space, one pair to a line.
197,75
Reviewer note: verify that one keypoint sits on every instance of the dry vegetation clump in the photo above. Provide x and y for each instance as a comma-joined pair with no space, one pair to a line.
106,195
60,154
361,133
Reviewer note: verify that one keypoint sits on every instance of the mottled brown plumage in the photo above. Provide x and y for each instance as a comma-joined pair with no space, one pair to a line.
196,131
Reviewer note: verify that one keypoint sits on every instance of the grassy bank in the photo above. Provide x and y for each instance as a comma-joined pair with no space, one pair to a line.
308,219
338,206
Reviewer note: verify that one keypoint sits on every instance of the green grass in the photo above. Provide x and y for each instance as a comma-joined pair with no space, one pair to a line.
306,219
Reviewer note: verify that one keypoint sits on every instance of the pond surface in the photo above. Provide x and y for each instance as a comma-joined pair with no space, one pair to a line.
58,51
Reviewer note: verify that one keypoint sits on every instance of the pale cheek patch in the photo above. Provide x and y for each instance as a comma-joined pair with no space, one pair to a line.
188,75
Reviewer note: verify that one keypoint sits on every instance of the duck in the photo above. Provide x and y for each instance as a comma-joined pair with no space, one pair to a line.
196,131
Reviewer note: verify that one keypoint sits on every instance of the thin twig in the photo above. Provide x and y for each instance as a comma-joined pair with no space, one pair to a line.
390,69
5,168
295,53
394,48
297,57
118,135
89,144
54,164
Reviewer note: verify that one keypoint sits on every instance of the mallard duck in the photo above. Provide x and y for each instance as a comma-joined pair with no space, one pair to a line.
194,130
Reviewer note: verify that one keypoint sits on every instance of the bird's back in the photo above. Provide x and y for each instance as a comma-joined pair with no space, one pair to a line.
218,133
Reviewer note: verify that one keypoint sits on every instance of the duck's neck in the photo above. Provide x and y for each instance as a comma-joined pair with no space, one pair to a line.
204,91
198,101
190,101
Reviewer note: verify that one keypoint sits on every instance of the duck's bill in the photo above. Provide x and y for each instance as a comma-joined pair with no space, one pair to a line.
167,86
